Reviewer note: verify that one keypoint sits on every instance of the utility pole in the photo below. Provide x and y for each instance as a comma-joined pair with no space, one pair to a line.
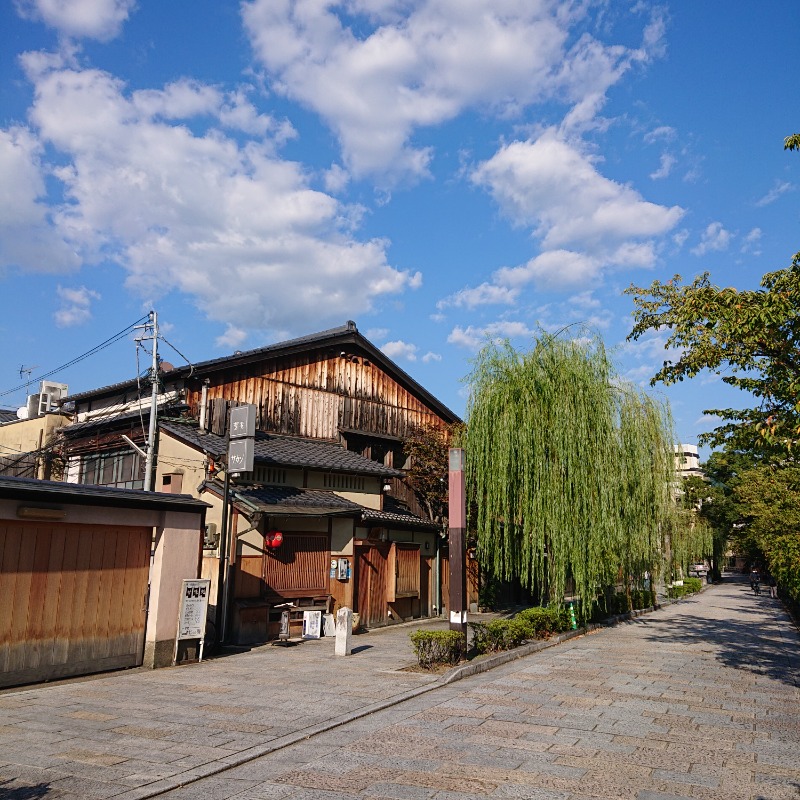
151,436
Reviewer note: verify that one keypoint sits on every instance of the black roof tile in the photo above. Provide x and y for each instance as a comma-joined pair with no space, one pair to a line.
31,489
285,451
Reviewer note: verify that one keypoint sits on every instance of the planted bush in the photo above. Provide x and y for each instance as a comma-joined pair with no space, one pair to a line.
545,621
643,598
500,634
437,647
693,584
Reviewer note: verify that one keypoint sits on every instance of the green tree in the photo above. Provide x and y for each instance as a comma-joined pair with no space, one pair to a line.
767,501
792,142
427,451
752,336
569,469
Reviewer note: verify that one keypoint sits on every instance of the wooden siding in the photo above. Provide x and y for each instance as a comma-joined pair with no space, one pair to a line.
372,581
74,599
249,580
299,567
406,571
314,398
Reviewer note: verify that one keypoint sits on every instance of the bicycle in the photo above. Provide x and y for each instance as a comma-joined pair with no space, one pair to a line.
756,586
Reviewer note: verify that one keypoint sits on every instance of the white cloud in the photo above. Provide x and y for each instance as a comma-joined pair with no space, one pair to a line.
550,185
713,238
27,239
485,294
680,237
431,356
91,19
377,333
232,338
400,349
662,133
75,306
752,242
378,72
473,337
780,188
229,224
665,167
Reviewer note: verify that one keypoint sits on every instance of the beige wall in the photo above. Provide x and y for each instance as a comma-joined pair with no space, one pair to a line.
177,457
177,557
27,435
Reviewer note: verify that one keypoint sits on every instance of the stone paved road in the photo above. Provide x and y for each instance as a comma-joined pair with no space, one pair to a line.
700,699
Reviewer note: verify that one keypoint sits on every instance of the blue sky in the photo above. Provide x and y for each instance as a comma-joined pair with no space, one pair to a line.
438,171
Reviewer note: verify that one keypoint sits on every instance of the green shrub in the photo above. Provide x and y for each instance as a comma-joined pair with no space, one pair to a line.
643,598
437,647
677,591
693,584
500,634
545,621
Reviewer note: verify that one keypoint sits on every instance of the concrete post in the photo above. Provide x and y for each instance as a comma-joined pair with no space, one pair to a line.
344,631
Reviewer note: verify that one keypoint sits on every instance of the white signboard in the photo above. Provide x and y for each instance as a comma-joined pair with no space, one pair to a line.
194,606
312,624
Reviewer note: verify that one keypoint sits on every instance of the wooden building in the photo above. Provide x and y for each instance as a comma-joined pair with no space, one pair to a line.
332,415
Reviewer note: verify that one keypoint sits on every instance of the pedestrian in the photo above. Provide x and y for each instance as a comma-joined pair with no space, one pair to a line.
773,586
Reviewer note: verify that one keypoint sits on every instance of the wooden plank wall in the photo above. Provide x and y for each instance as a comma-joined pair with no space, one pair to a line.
314,398
372,582
73,599
299,567
407,570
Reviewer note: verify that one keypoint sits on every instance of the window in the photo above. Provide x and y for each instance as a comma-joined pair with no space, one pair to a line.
123,468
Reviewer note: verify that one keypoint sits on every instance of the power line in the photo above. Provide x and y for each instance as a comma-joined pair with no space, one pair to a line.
107,343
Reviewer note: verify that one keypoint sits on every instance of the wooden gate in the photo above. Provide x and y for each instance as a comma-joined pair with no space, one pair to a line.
372,582
73,599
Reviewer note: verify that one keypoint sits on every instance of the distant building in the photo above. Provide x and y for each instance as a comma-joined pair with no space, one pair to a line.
687,461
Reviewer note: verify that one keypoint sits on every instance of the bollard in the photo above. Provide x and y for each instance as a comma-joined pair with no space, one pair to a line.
344,630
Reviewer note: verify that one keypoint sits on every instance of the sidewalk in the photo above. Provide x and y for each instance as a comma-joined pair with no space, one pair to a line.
133,735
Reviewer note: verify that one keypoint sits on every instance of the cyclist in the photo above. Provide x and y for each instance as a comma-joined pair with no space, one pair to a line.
755,581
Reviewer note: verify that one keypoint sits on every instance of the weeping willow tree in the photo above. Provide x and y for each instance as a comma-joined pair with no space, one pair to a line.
569,469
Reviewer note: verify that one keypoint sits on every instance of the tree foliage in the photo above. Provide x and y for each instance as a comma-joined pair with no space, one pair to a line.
569,469
792,142
753,336
426,474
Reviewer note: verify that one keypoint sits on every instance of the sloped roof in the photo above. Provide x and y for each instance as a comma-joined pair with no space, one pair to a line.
291,501
343,335
8,415
285,451
33,490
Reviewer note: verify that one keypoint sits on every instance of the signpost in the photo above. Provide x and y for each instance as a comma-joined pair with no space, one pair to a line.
192,613
241,447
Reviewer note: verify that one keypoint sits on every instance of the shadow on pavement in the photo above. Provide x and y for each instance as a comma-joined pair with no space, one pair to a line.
23,792
743,641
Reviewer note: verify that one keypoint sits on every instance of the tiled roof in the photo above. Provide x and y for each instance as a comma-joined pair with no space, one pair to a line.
285,451
344,335
8,415
290,501
82,428
32,490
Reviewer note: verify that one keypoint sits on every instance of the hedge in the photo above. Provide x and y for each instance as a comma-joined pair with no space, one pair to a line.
437,647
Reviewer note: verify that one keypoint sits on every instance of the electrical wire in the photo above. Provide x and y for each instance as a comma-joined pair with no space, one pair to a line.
102,346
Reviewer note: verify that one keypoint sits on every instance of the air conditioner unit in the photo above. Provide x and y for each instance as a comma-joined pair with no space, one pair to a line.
50,394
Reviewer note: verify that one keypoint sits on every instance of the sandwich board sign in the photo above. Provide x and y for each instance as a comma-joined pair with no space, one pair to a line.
192,613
